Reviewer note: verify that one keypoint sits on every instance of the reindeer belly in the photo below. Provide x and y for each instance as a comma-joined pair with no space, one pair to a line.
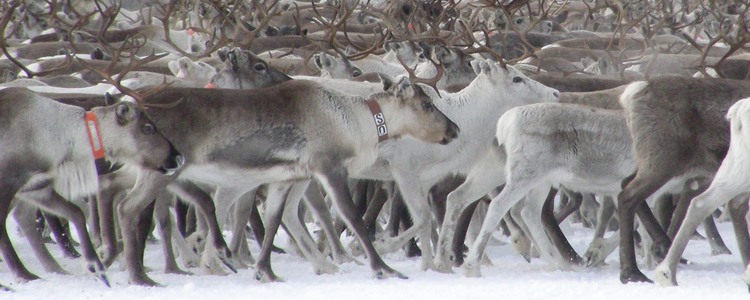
263,148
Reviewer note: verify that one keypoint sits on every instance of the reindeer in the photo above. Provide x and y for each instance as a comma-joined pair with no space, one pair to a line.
416,166
728,186
662,155
118,133
284,144
598,142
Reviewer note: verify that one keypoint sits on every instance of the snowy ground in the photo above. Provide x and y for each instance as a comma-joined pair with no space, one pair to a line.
509,278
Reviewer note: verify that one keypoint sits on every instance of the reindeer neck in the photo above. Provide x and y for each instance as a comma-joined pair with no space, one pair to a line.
376,120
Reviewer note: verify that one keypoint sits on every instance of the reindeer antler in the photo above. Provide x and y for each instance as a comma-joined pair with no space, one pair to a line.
4,46
432,82
483,48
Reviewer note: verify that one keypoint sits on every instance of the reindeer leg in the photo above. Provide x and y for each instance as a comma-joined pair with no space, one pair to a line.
598,250
718,247
682,206
552,227
106,206
7,192
243,206
189,258
630,198
5,288
334,180
574,203
25,215
277,194
205,204
291,218
700,207
55,204
147,188
661,241
145,229
499,207
664,208
415,198
531,214
462,228
62,236
738,208
318,207
164,224
373,210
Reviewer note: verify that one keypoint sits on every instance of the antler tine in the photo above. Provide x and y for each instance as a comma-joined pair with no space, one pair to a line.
497,56
363,53
4,46
432,82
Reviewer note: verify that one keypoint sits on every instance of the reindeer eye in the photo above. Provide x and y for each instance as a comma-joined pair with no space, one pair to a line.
356,73
427,106
519,21
148,129
517,79
260,67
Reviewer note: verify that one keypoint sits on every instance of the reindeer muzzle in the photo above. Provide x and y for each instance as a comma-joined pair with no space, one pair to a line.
451,133
174,162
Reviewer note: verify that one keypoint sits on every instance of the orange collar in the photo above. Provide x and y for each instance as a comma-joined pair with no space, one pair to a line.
95,138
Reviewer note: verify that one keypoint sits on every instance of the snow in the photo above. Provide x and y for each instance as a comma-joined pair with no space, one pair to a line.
511,277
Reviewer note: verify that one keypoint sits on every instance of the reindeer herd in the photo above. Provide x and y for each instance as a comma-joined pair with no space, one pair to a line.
422,125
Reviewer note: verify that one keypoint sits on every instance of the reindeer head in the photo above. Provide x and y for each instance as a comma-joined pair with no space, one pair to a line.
335,67
512,85
409,51
130,137
186,68
411,111
243,70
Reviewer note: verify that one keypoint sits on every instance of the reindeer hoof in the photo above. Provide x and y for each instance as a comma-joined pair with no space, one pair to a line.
275,249
471,269
144,280
327,268
24,277
628,276
388,273
665,276
176,270
721,251
267,276
443,266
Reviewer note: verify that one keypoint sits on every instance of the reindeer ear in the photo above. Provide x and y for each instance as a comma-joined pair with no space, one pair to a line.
109,99
97,54
173,67
426,48
442,54
184,62
272,31
125,113
232,58
317,60
559,19
404,88
222,52
386,80
475,64
547,26
387,46
349,50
